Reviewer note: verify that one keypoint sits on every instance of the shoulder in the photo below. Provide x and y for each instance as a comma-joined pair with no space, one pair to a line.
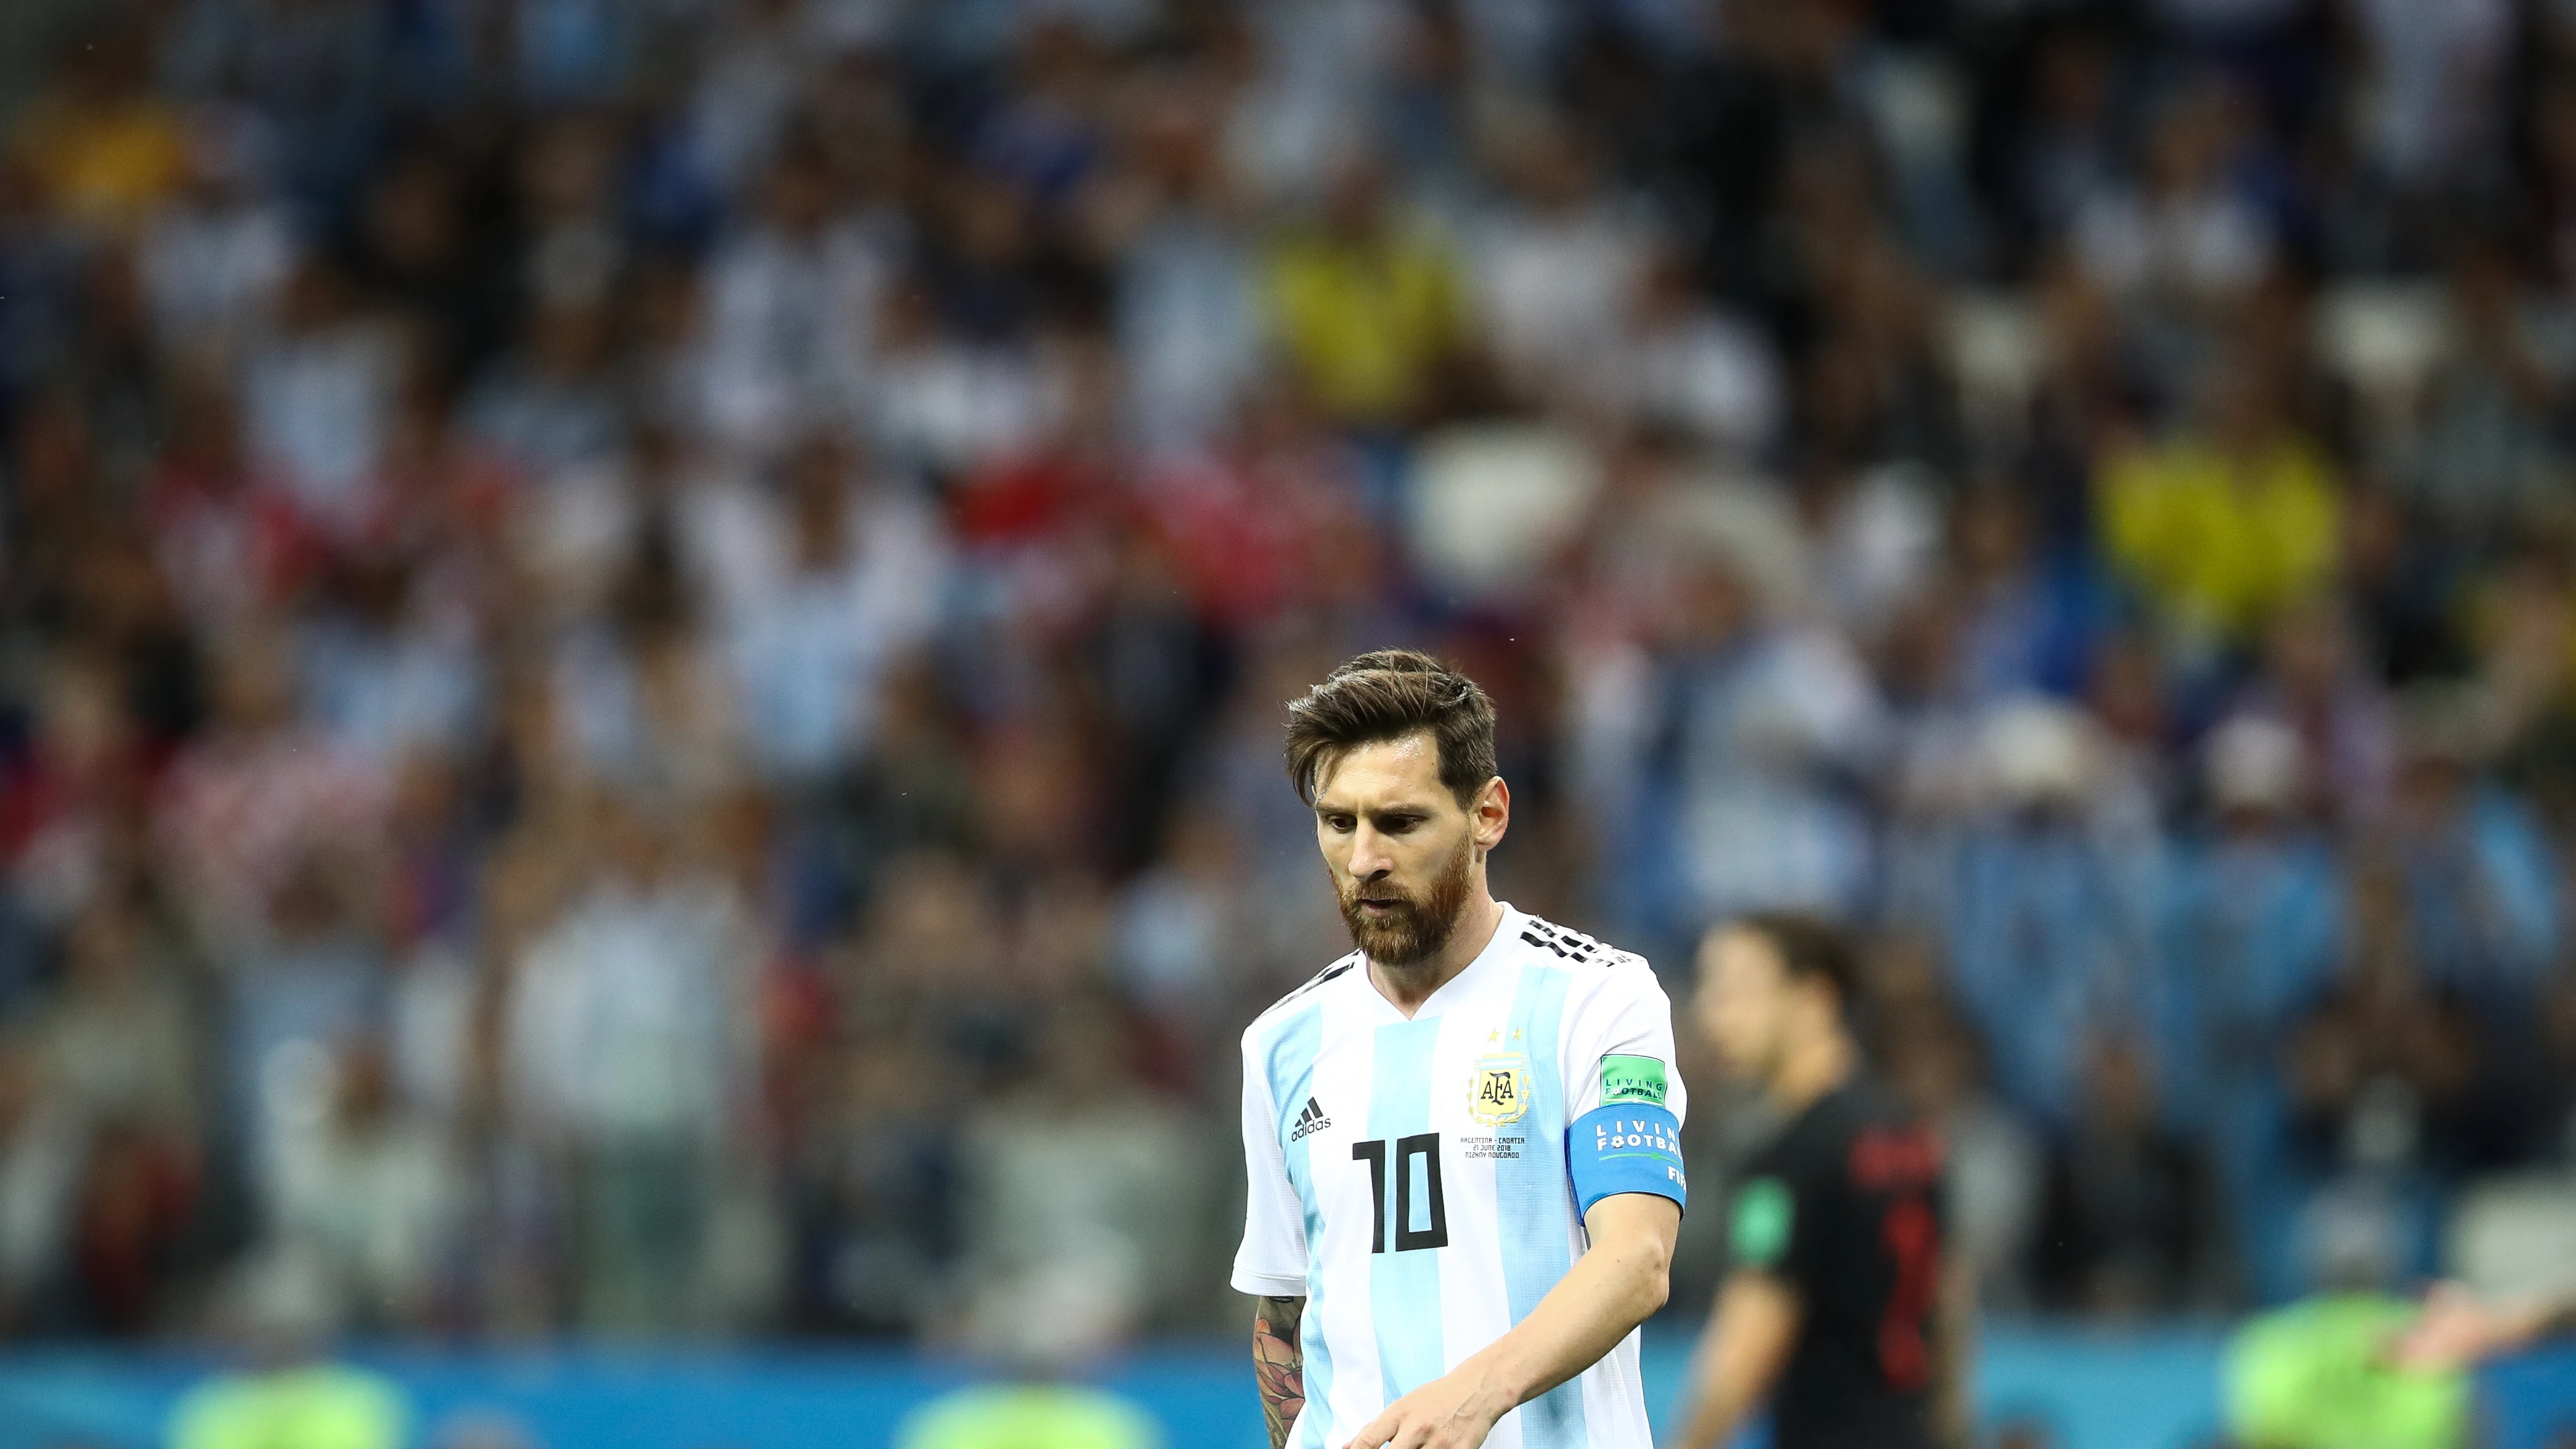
1821,1140
1599,974
1564,946
1276,1014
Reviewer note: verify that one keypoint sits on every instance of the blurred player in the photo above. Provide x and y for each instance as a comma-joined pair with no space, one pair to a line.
1835,1311
1462,1138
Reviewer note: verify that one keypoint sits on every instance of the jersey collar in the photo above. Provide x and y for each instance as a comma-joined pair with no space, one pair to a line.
1506,930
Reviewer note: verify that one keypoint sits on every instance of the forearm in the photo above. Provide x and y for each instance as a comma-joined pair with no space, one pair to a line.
2532,1319
1605,1295
1747,1343
1729,1381
1279,1364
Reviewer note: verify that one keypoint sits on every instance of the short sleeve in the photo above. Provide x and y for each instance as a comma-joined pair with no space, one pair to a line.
1762,1224
1623,1100
1272,1261
1619,1045
1771,1221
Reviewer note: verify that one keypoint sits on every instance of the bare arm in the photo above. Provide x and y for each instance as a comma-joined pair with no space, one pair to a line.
1953,1355
1279,1363
1609,1291
2457,1329
1750,1333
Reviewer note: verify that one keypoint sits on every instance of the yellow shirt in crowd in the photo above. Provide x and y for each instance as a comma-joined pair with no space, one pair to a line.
2220,541
103,164
1365,323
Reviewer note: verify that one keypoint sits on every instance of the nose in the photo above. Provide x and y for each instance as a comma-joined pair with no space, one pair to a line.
1369,856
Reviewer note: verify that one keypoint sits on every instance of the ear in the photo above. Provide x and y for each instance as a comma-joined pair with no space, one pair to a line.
1491,816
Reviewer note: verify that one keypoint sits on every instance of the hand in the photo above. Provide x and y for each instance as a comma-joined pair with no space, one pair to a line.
1454,1411
2456,1329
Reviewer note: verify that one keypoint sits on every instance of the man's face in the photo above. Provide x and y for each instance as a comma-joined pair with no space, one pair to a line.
1745,1001
1399,847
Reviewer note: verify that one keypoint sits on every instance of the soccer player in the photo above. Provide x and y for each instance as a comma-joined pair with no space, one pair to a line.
1462,1137
1839,1309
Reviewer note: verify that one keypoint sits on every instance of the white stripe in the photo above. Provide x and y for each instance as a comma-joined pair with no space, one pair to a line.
1345,1070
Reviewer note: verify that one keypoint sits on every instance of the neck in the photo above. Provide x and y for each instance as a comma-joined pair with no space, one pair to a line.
1407,987
1812,1068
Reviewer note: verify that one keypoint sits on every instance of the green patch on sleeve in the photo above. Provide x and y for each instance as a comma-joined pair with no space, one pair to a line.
1764,1210
1631,1079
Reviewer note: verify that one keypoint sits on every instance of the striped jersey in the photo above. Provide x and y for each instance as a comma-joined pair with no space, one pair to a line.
1409,1177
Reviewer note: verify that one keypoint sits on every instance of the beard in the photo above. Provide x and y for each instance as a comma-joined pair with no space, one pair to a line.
1418,926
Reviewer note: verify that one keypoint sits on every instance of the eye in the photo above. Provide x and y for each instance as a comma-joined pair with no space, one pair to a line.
1398,824
1339,824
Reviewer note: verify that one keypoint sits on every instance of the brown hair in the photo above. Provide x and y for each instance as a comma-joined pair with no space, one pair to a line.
1387,695
1810,948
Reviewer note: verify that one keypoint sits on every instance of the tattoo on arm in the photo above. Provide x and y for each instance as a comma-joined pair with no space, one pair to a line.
1279,1364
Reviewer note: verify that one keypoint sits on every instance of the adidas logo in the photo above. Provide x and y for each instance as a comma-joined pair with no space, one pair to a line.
1309,1122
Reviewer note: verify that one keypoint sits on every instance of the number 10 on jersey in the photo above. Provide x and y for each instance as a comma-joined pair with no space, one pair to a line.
1423,1147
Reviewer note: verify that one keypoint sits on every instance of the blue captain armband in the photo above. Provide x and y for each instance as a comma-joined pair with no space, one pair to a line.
1628,1147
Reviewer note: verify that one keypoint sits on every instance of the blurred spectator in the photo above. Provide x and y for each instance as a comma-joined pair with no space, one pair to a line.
1085,1200
1370,309
1188,317
2313,683
100,143
2486,455
370,1190
792,304
2045,894
2252,929
119,1041
2183,236
1690,365
1719,741
318,397
41,1144
627,1036
1181,918
214,259
552,401
1557,266
1993,1164
2483,913
824,586
2225,524
2126,1225
878,1193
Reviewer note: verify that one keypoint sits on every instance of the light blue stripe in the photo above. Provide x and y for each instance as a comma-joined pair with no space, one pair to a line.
1292,1080
1533,1206
1404,1288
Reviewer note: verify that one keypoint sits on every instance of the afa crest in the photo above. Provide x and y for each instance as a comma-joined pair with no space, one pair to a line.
1499,1090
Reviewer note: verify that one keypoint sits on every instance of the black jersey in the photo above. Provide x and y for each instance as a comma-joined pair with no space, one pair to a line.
1844,1206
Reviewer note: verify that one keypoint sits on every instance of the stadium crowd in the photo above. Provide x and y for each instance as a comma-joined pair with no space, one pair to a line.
642,644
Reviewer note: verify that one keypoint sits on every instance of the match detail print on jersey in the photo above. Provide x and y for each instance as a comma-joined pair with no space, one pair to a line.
1632,1079
1626,1147
1499,1091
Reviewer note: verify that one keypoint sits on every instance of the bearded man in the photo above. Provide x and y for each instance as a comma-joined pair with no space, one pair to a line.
1463,1138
